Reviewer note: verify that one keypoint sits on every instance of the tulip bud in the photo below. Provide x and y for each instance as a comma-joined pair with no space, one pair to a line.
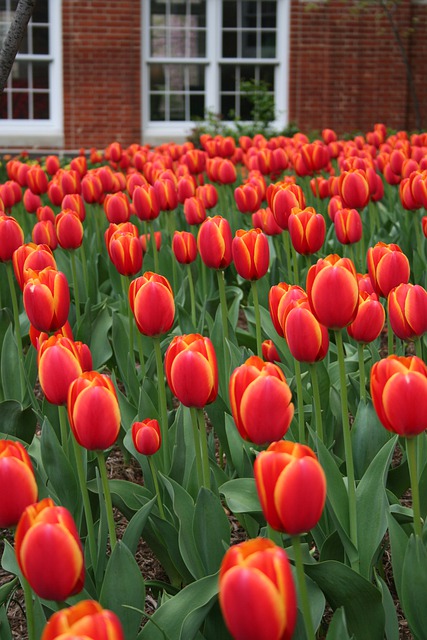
407,311
194,211
388,267
86,619
214,242
192,370
49,551
251,253
253,386
124,248
354,189
257,574
184,247
291,486
46,299
17,479
146,436
348,226
370,318
307,339
93,411
116,207
307,230
152,303
11,237
69,229
269,351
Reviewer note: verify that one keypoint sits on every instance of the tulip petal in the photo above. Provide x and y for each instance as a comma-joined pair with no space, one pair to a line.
266,409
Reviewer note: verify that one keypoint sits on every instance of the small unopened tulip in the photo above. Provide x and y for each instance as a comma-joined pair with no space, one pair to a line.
46,299
17,478
214,241
86,619
184,247
251,253
152,303
407,311
146,436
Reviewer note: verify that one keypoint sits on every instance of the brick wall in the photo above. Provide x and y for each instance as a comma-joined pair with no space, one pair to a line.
346,68
102,57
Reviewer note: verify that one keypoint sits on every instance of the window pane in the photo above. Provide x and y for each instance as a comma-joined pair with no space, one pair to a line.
198,9
157,77
158,43
157,107
229,14
176,75
3,105
20,75
247,72
20,106
157,13
40,40
228,107
41,12
266,74
229,44
249,14
268,15
246,108
178,41
41,106
228,78
268,44
249,48
177,107
196,77
197,106
40,75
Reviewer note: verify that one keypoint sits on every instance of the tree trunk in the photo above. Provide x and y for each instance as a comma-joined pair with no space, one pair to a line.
13,38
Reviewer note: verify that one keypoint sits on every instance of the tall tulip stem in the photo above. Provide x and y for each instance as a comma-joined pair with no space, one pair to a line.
348,449
254,286
15,309
300,403
163,409
316,401
76,287
29,609
197,448
131,318
287,246
156,486
107,497
223,302
86,501
64,429
302,585
192,295
204,448
411,452
154,248
362,378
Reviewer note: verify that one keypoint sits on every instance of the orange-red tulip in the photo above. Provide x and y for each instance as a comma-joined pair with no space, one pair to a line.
370,318
18,482
46,299
86,619
354,189
291,487
407,311
388,267
49,551
31,201
145,240
282,198
124,248
248,198
307,230
60,361
167,195
399,394
146,436
333,291
146,203
44,232
307,339
31,257
194,210
279,298
117,207
348,226
36,180
208,195
255,578
192,370
251,253
93,410
255,386
184,247
269,351
11,237
264,219
214,242
69,229
152,303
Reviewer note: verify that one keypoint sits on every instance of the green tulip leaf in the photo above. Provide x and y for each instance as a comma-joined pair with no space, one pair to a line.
337,629
100,347
123,589
368,437
372,507
9,561
9,367
398,545
136,526
163,539
58,470
7,589
5,632
181,616
343,587
16,421
211,530
127,496
391,622
120,342
414,586
241,495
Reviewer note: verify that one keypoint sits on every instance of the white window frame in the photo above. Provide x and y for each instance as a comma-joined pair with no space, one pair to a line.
22,133
157,132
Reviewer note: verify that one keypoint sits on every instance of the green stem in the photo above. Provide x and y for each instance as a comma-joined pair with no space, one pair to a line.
107,497
154,248
254,286
418,347
300,403
287,245
131,319
295,263
63,425
192,296
275,536
197,448
362,379
84,267
156,486
223,302
86,501
411,452
141,354
163,409
204,448
18,336
316,401
348,450
76,288
29,609
303,593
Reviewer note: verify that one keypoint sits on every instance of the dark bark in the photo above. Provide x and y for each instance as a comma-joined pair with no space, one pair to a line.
14,37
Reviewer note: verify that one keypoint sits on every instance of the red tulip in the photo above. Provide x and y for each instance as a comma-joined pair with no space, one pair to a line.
255,386
31,257
407,311
146,203
192,370
348,226
49,551
52,165
399,394
44,232
388,267
36,180
291,486
282,199
269,351
248,198
186,188
251,253
124,248
370,318
354,189
75,202
333,291
208,195
194,210
145,239
11,237
146,436
116,207
264,219
69,229
307,230
31,201
152,303
93,411
92,188
214,241
279,298
184,247
255,577
166,194
46,299
18,482
86,619
60,361
307,339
